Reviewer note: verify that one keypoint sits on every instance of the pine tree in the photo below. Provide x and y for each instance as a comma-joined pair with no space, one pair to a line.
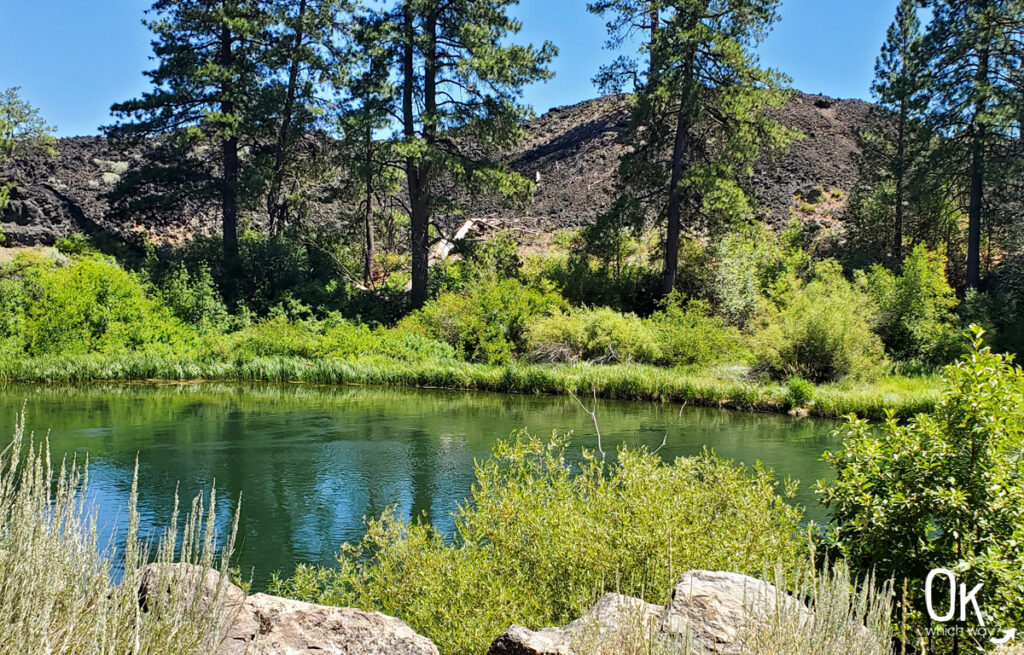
207,86
22,130
460,80
974,50
900,139
700,113
302,61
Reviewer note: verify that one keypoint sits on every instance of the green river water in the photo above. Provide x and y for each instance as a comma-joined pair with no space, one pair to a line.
310,463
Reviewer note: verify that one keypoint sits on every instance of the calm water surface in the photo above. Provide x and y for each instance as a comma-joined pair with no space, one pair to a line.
310,463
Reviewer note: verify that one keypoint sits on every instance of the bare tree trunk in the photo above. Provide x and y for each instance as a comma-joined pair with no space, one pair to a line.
275,206
420,219
370,246
680,150
901,175
229,156
977,196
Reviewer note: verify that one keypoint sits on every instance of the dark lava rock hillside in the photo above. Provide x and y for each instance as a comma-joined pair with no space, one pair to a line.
571,151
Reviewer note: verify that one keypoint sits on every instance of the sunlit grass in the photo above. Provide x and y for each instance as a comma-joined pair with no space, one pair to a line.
716,386
57,591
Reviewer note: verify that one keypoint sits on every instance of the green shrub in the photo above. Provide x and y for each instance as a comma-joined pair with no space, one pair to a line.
822,332
600,336
916,309
541,537
195,300
95,306
690,334
745,264
333,338
945,490
799,393
487,324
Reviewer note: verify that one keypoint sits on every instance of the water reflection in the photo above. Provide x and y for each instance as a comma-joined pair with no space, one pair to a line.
311,463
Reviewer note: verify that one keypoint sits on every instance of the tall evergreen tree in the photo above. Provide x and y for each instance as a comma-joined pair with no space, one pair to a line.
700,113
207,86
302,61
974,50
460,80
900,138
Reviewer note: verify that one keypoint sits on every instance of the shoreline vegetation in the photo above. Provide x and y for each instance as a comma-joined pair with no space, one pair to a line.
902,396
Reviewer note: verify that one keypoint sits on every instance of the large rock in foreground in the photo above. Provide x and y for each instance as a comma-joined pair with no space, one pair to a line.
613,616
268,625
714,612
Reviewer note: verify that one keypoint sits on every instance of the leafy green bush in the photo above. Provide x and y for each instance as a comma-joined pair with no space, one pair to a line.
333,337
822,331
943,490
541,537
677,335
916,309
94,306
195,300
600,336
487,324
745,264
690,334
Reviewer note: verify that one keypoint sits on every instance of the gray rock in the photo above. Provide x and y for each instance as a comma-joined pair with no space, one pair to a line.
712,612
268,625
715,611
613,614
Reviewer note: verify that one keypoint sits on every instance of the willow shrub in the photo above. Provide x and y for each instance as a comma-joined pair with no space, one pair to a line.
540,538
488,324
821,331
56,588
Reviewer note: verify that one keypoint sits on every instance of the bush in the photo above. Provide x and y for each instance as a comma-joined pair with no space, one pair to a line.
540,538
488,324
690,334
822,332
59,595
915,309
195,300
944,490
600,336
94,306
333,338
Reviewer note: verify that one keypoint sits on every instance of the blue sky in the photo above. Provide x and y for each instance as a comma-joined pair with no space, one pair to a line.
74,58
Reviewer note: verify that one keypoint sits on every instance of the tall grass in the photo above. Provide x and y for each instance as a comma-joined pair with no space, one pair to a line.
56,586
700,386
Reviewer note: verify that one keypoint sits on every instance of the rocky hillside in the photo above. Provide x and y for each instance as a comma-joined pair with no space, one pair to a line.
572,151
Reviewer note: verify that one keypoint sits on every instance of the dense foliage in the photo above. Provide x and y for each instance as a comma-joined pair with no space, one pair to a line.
541,537
943,490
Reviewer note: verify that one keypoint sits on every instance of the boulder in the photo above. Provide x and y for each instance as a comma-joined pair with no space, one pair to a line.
715,610
193,580
268,625
712,611
614,614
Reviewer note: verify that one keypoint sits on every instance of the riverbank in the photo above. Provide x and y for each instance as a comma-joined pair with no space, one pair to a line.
707,387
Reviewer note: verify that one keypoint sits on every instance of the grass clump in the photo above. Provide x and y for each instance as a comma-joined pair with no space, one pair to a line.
540,536
56,587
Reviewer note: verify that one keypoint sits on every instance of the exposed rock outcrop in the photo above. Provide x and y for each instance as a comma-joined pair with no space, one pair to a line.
267,625
571,152
713,612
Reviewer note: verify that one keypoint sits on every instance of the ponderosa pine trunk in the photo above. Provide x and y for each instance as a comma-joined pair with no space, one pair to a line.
229,157
275,206
977,193
680,148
